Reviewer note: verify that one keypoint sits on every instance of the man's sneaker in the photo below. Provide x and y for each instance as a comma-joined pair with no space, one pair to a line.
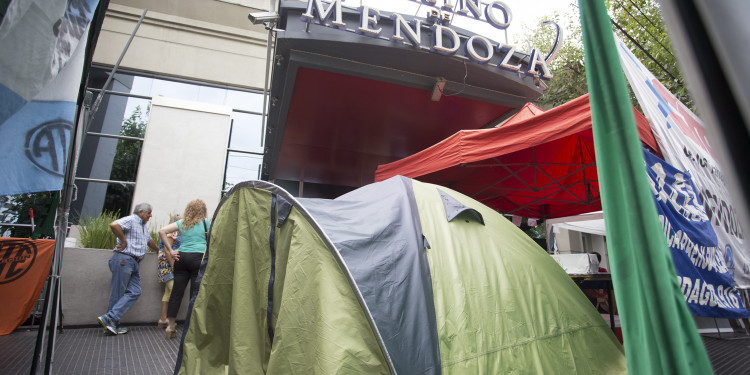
121,330
108,324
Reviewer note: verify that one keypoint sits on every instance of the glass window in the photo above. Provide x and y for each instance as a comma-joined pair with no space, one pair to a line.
142,86
246,132
125,161
175,90
97,77
136,113
241,167
116,112
246,101
118,199
95,197
105,158
121,82
212,95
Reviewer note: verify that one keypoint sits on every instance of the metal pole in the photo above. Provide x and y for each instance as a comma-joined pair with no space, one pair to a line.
270,27
717,328
18,225
38,348
226,162
55,314
99,97
123,183
52,308
31,213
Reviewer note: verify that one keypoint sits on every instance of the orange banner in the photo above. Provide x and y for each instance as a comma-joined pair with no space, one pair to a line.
24,266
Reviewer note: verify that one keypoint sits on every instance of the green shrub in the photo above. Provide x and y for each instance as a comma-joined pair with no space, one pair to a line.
154,232
95,232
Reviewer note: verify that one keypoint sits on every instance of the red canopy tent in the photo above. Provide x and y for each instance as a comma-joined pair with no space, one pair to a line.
538,164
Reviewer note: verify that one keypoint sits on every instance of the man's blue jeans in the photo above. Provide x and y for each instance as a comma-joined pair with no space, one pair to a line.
125,287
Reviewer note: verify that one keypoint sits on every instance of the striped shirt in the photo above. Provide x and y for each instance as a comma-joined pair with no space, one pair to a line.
137,235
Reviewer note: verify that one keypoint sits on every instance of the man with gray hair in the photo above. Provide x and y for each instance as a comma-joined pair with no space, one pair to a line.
132,239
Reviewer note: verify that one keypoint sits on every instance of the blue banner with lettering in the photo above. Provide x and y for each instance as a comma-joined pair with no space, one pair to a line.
43,44
704,271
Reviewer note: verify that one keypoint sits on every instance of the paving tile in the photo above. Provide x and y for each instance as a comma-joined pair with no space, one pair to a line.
144,350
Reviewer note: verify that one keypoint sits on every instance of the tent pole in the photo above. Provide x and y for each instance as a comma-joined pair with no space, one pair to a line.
586,186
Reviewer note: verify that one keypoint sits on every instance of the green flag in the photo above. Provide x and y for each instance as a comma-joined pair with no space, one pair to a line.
659,334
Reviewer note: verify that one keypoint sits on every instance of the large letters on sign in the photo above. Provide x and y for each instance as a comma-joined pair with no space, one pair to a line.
444,40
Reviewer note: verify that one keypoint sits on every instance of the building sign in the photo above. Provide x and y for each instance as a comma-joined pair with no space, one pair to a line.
444,40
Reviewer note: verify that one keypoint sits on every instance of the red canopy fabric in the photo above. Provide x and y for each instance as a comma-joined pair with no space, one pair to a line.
528,111
539,166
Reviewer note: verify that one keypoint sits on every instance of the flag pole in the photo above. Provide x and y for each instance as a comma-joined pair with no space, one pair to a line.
659,334
51,310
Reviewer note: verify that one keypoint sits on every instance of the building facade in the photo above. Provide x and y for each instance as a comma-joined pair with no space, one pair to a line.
181,118
351,85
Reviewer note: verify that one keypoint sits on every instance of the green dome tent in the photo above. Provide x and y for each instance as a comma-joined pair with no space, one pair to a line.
395,277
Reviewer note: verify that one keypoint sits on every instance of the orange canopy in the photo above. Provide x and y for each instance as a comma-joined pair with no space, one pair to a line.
538,164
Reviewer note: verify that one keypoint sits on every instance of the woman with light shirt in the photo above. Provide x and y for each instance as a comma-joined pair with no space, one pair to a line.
193,228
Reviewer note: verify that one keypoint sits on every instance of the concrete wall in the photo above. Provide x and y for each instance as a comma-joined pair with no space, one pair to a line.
85,289
206,40
86,280
599,245
569,241
183,157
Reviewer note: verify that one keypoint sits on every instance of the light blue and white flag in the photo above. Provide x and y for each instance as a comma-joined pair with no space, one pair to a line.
43,44
685,145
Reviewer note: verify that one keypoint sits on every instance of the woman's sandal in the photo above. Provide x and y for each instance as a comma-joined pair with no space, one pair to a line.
171,332
162,324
